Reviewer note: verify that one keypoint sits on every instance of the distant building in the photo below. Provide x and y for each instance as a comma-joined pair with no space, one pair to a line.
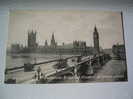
96,40
46,44
15,48
81,47
119,51
53,42
63,44
32,44
79,44
76,47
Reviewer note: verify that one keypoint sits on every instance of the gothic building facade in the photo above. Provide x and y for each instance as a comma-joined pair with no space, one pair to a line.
46,44
53,42
32,44
96,40
76,47
79,44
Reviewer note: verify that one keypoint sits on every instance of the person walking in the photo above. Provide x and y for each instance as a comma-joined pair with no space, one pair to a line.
39,73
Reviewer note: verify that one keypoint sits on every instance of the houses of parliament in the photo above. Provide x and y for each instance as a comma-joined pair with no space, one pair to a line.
76,47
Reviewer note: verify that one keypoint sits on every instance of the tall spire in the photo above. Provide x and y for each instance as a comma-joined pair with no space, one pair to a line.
53,36
96,40
53,43
95,28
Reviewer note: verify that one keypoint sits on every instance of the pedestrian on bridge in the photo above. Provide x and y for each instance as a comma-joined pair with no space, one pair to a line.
39,73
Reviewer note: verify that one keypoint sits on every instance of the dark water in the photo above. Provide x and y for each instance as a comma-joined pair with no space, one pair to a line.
16,60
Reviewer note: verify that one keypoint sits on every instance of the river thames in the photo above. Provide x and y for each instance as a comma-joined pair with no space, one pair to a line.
16,60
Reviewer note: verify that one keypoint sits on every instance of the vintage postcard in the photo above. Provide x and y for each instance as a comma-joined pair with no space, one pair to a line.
65,46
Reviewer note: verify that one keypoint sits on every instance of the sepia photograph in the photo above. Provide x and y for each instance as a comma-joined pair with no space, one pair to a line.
65,46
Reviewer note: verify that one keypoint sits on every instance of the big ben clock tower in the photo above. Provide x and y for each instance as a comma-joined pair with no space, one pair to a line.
96,40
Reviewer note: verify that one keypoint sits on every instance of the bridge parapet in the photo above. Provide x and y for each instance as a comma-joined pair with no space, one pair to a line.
87,63
90,62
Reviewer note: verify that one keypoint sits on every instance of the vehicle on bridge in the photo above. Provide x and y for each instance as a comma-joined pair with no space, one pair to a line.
28,67
61,63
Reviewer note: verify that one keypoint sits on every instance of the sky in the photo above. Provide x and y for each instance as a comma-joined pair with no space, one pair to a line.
67,26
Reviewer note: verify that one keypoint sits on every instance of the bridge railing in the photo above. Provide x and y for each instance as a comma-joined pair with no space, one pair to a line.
98,59
91,60
29,66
